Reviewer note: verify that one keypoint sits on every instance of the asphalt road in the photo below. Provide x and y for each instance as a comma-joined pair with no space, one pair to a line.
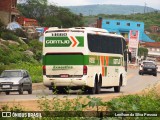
135,84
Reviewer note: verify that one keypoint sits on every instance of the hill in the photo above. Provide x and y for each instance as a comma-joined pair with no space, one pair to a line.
109,9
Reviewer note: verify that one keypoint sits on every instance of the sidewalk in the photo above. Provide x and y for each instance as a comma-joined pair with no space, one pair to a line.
130,65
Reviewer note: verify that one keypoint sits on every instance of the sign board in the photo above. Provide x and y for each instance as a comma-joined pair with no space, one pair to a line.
133,39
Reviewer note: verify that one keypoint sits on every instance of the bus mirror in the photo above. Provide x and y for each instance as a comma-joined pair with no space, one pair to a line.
125,51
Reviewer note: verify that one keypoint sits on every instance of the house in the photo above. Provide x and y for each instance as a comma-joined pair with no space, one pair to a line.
153,49
23,21
124,27
8,11
155,29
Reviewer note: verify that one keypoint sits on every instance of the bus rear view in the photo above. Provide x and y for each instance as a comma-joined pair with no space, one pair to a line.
63,59
84,58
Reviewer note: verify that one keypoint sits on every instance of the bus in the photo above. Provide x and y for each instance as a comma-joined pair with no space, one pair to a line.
84,58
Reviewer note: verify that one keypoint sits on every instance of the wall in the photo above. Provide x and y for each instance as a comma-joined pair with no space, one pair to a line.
5,17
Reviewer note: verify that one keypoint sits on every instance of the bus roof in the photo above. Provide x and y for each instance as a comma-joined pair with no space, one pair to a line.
81,29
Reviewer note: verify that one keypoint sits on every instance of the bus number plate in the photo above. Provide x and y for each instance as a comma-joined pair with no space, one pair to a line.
64,75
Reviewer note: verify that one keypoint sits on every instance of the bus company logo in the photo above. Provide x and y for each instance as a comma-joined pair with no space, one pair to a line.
116,61
58,41
59,67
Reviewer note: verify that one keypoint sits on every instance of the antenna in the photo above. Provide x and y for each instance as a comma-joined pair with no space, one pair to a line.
145,5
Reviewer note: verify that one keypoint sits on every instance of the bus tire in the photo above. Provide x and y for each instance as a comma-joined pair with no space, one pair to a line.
118,88
61,90
92,90
98,85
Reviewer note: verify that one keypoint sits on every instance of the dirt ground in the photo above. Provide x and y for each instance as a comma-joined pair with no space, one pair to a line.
33,105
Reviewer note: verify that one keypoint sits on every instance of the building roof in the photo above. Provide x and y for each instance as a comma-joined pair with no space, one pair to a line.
151,44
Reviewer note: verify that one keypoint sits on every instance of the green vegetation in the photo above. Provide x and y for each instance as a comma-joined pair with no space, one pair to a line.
146,102
142,52
34,69
50,15
92,107
16,54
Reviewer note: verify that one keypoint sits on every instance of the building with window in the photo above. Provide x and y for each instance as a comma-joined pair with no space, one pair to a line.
23,21
123,27
8,11
153,49
155,29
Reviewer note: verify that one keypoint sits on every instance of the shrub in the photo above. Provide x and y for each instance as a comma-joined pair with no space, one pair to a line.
19,32
36,48
9,36
35,70
147,102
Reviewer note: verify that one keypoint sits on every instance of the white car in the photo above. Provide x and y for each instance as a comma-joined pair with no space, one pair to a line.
15,80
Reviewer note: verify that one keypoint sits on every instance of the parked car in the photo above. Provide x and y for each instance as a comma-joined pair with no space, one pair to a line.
148,67
15,80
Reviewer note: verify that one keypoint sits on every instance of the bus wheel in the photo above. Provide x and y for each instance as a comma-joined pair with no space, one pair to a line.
92,90
117,88
61,90
96,88
98,85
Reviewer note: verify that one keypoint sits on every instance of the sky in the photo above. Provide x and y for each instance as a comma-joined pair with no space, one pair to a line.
149,3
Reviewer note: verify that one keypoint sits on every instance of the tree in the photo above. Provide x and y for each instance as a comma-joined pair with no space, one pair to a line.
34,9
50,15
142,52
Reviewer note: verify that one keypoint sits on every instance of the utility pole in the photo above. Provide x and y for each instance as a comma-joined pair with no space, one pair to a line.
145,4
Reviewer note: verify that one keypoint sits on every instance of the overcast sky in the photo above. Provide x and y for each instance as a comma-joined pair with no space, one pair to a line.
149,3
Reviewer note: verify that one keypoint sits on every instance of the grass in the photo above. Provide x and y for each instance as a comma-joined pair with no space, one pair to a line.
89,107
34,69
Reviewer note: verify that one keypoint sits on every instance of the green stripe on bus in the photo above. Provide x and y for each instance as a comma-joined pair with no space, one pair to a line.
78,60
64,60
115,61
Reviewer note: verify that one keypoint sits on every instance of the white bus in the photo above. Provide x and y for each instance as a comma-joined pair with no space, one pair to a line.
83,57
